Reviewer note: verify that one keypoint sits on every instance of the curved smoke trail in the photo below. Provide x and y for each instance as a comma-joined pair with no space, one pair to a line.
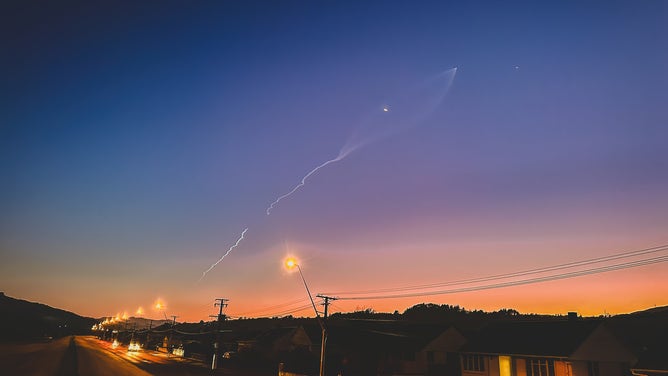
226,253
406,111
302,183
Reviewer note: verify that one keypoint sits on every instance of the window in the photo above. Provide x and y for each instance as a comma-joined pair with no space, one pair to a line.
505,367
473,362
540,367
430,357
593,369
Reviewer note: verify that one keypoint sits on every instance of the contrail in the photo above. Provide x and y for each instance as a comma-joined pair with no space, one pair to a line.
303,182
226,253
406,111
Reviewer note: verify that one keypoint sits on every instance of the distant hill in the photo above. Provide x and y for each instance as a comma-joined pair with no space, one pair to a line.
653,311
21,319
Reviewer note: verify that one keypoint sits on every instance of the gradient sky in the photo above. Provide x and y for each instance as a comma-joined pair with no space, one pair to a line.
138,139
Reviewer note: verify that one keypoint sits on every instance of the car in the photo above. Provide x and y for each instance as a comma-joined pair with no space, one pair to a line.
134,346
229,354
179,351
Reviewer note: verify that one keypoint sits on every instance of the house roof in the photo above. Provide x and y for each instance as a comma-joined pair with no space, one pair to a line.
381,336
274,334
549,339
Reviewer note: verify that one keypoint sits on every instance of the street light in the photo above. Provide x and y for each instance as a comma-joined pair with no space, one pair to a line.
160,306
290,264
134,346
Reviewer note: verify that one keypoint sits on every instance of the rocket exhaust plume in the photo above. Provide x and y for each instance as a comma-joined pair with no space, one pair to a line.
302,183
225,255
402,113
405,112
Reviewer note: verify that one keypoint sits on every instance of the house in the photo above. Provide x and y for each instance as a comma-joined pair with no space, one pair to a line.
553,348
389,347
439,356
429,350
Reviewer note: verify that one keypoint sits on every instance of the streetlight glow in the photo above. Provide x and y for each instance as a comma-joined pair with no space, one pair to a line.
161,306
291,263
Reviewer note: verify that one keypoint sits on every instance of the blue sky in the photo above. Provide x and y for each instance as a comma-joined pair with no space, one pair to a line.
143,137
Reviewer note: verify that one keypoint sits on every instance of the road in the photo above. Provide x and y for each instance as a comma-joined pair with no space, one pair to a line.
84,356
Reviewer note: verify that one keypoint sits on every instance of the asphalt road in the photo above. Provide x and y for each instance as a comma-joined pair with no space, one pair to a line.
84,356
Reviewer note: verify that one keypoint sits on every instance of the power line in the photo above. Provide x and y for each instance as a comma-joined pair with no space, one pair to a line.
597,270
288,312
568,265
271,308
192,334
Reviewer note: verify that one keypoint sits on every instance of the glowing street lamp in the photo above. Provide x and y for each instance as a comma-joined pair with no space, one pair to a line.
160,306
290,264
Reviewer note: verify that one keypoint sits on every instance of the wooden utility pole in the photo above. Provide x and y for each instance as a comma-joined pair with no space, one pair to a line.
323,326
220,303
171,333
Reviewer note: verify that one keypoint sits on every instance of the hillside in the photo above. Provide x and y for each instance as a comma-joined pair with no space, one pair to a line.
21,319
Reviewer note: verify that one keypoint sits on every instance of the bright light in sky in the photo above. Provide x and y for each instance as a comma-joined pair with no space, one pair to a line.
290,263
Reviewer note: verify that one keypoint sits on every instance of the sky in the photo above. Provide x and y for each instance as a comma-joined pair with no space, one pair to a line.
139,139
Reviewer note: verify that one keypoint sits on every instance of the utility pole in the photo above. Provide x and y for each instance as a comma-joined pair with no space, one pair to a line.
134,329
220,303
323,326
148,333
171,333
326,302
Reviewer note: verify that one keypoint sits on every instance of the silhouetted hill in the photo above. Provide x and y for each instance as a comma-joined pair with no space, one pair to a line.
445,313
21,319
656,311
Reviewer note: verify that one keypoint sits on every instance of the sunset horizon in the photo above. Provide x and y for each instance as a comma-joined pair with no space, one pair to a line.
502,156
